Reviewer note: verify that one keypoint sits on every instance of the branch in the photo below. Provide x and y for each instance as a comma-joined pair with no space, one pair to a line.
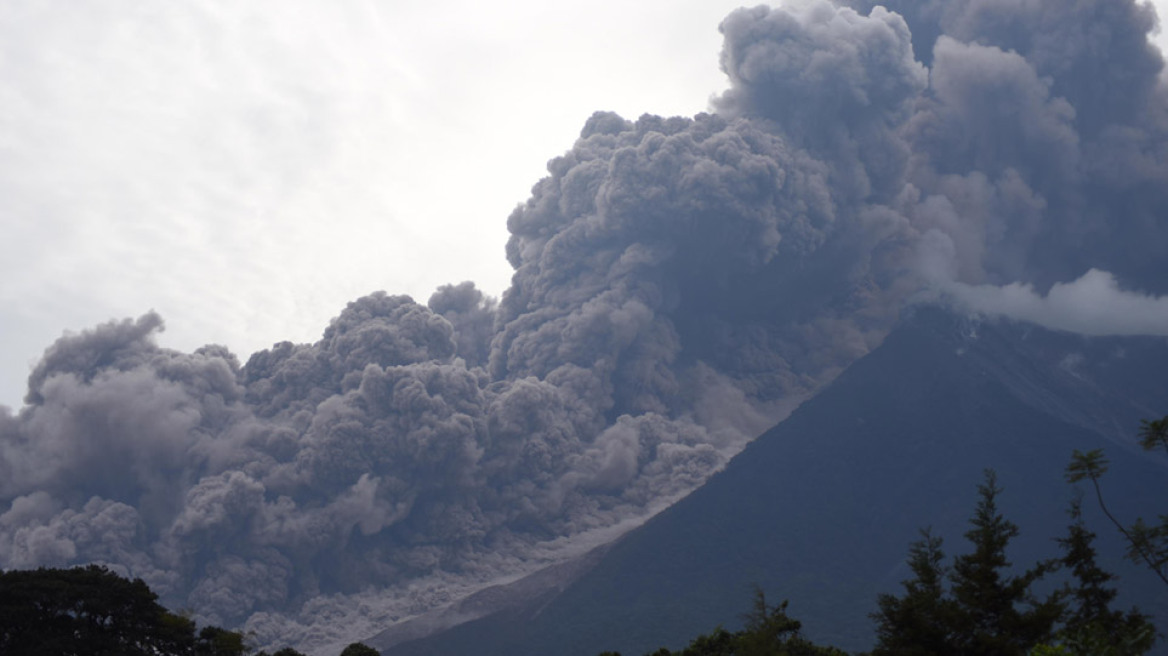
1136,545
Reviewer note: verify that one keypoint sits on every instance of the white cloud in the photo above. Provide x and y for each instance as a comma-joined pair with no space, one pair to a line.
1160,38
1092,305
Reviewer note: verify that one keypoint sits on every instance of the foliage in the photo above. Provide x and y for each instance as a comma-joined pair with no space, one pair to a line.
769,631
991,618
984,611
1091,626
1147,543
219,642
1154,434
93,611
978,606
919,623
359,649
90,610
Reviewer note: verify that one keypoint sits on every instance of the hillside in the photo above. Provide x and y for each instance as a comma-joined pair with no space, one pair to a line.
821,509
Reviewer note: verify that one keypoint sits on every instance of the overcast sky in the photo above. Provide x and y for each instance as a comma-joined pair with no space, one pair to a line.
246,169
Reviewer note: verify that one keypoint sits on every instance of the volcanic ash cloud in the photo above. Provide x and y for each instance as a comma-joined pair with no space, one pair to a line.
678,284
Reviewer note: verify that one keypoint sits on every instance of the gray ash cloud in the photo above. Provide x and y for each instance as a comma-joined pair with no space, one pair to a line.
678,282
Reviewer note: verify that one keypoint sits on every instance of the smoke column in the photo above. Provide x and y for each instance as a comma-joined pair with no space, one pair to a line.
679,283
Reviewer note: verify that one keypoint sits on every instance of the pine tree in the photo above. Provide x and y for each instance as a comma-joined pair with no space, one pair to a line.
769,631
985,611
996,615
1091,626
917,624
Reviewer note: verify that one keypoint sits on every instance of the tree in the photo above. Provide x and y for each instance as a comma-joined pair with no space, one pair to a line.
1091,627
917,624
986,611
360,649
91,610
719,642
214,641
1147,543
996,613
770,631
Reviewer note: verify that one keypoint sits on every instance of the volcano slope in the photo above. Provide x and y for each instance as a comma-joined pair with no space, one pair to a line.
821,509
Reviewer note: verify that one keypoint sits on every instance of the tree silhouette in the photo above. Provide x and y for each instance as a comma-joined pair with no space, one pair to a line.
997,614
919,623
91,610
1091,626
985,612
1147,543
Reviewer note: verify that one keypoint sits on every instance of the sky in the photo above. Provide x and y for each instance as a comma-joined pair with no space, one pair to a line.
247,169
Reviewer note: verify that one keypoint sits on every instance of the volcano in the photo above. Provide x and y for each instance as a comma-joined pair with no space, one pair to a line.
820,510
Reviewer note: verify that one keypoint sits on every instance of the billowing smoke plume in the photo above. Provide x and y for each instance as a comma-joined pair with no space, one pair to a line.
678,283
1039,149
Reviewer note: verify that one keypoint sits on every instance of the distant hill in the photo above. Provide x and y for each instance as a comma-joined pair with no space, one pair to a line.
821,509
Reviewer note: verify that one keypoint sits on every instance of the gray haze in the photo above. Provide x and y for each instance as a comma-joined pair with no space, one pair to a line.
678,284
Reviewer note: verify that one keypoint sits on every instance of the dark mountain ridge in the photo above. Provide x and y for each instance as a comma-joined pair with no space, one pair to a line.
821,509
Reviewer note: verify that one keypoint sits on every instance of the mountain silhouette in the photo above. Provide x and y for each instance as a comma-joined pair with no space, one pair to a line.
821,509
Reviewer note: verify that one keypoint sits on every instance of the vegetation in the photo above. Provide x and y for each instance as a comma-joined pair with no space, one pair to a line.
92,611
986,611
769,631
1091,626
976,606
1147,544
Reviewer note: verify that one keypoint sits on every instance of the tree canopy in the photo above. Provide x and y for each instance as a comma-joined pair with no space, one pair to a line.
91,610
769,631
978,607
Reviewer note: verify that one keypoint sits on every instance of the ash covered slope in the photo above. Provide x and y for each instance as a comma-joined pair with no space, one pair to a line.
821,509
